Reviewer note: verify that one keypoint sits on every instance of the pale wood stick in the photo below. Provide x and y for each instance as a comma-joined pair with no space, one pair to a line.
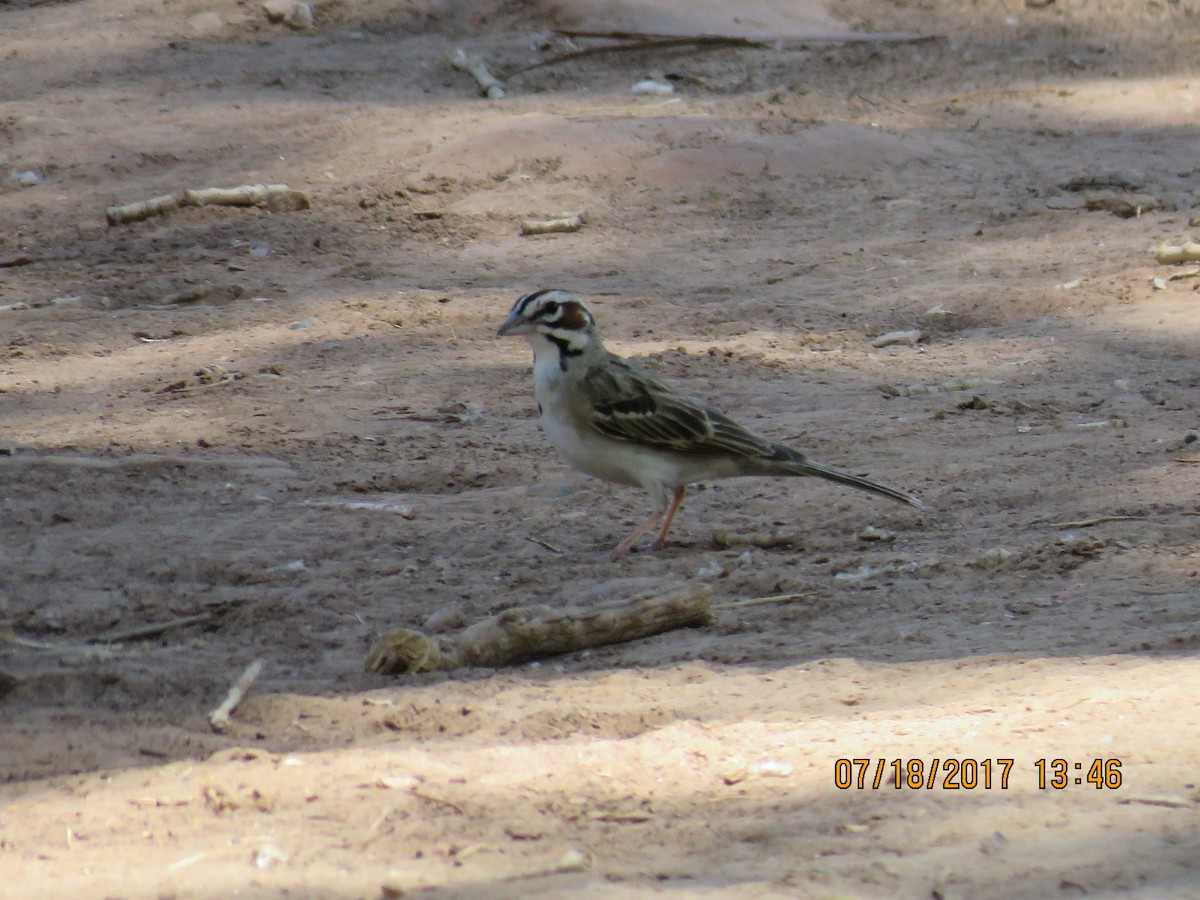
552,226
146,209
1098,520
1169,254
274,197
474,66
762,601
219,718
532,632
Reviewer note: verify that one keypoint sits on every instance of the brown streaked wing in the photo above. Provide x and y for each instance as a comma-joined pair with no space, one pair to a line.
631,405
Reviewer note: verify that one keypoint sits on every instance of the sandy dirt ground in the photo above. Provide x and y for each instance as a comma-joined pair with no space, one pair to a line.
230,434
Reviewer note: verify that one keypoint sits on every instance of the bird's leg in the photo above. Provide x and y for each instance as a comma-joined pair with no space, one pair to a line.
626,545
676,499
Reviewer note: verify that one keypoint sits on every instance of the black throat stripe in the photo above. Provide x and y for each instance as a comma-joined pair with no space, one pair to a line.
564,350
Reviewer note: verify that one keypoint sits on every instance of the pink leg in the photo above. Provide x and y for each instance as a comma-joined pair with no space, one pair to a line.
626,545
676,500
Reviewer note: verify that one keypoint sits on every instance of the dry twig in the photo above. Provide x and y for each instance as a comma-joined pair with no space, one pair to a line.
761,601
219,717
1098,520
642,41
1000,92
152,630
474,66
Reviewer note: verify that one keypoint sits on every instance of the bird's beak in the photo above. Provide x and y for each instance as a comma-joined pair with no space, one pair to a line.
514,324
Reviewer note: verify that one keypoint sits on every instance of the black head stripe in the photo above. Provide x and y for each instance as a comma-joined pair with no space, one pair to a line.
525,302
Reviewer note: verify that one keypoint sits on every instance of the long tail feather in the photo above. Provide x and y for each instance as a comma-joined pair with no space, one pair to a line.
808,467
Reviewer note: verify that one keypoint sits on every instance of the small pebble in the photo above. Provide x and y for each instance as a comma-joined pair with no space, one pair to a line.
907,338
653,88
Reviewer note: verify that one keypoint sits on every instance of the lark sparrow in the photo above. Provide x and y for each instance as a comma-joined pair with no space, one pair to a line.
614,421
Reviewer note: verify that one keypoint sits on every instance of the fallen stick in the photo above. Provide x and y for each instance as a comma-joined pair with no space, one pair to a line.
146,209
1170,254
219,717
152,630
762,601
275,198
1098,520
264,465
641,41
474,66
764,540
8,636
773,40
532,632
951,385
1165,800
999,92
560,225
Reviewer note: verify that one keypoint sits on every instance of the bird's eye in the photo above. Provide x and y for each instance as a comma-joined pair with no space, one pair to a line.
551,308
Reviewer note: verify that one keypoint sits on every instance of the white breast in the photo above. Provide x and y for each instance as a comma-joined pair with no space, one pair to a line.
582,447
588,450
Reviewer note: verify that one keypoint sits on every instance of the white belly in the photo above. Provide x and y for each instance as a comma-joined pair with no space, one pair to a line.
589,451
583,447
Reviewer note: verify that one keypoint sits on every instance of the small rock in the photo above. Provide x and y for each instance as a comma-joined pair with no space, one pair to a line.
301,16
289,12
908,338
267,856
277,9
770,768
653,88
1124,206
991,559
871,533
976,402
22,178
205,24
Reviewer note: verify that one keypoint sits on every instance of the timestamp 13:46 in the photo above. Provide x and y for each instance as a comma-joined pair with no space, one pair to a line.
971,774
1061,773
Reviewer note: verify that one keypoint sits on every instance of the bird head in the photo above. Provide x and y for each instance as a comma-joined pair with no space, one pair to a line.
552,317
